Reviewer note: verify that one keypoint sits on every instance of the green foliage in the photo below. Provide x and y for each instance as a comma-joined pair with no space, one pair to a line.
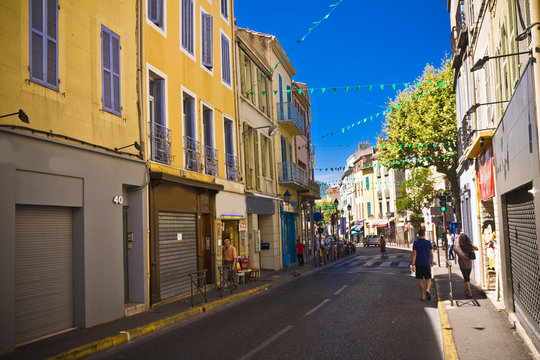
327,208
423,113
414,192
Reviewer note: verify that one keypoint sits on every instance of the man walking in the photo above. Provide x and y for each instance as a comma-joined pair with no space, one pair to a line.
300,252
422,261
229,260
450,243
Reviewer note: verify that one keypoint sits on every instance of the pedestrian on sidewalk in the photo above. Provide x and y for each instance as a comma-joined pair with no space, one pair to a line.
422,261
229,262
450,243
463,248
300,252
382,243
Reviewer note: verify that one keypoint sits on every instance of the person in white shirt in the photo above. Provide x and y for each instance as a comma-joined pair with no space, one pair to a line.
450,242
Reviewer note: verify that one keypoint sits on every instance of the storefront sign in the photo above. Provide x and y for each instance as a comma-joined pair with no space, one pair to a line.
242,227
265,246
486,181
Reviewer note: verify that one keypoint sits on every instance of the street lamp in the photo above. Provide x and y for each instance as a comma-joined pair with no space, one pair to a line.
22,116
480,63
286,197
473,107
272,129
336,203
349,207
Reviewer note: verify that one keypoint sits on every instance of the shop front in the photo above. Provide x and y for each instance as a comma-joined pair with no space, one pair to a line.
263,228
517,180
181,234
231,223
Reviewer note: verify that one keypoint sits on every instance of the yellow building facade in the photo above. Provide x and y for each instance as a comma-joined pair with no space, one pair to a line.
196,197
73,216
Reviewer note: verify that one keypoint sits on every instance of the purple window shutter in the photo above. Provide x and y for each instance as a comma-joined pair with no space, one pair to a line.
207,28
225,61
106,67
116,73
158,100
152,11
225,8
187,25
52,41
37,70
190,29
110,64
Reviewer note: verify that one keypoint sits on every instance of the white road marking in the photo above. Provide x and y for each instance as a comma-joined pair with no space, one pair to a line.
250,354
340,290
317,307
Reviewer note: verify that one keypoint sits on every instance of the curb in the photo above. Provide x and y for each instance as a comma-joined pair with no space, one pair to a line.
449,347
127,336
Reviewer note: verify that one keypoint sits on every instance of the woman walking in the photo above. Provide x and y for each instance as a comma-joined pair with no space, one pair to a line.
463,247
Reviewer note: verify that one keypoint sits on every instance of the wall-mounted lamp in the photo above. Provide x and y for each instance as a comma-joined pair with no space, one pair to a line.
272,129
480,63
136,144
22,116
286,197
481,143
473,108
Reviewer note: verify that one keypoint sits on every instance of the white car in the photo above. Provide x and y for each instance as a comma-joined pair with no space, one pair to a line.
371,240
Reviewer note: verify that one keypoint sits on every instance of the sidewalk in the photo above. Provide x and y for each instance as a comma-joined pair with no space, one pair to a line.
473,328
84,342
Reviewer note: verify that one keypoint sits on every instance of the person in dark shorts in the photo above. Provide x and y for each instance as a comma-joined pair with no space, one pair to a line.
382,242
422,261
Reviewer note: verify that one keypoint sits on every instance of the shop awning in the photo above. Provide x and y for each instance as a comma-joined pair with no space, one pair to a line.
378,222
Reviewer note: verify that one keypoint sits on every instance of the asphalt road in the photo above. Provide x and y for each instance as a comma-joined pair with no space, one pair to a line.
362,308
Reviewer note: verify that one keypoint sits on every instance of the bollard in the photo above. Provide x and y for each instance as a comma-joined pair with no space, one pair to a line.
449,264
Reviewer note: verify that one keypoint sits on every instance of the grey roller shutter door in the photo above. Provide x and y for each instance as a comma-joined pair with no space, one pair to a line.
176,258
43,271
524,254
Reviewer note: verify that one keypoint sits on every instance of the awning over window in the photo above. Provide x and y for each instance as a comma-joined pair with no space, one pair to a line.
378,222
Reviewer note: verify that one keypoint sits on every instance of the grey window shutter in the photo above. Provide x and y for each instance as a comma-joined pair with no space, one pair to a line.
225,61
106,68
44,42
153,11
207,28
256,154
225,8
190,22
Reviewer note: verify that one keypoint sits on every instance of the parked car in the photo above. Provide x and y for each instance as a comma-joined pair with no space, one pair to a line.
371,240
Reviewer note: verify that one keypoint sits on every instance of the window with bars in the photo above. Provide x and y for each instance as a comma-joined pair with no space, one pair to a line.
187,26
44,42
207,28
225,60
110,71
155,12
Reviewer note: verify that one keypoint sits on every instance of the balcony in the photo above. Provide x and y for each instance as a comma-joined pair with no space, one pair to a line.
461,26
464,138
292,174
192,153
160,143
290,119
457,53
210,161
231,166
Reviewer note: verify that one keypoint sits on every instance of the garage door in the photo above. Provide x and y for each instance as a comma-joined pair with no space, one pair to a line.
524,254
177,258
43,271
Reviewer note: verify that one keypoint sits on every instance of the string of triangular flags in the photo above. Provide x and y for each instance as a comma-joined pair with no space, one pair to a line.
376,184
351,126
305,146
429,159
309,31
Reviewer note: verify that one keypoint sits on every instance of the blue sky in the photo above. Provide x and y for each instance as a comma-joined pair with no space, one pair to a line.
361,43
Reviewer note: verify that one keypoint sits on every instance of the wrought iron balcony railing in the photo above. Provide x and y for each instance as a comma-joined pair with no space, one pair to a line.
465,135
288,115
290,173
192,153
231,165
461,25
160,143
210,160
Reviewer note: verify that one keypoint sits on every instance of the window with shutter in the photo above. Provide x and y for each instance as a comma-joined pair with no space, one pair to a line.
283,149
256,155
110,69
44,42
187,26
271,158
206,40
261,90
264,155
242,73
247,162
268,98
156,12
225,9
225,60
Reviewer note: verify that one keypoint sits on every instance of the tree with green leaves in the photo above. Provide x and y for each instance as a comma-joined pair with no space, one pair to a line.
420,128
327,208
415,191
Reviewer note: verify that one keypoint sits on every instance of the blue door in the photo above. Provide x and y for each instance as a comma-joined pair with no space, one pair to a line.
288,236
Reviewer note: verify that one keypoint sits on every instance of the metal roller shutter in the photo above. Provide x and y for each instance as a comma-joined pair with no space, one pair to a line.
176,258
43,271
524,253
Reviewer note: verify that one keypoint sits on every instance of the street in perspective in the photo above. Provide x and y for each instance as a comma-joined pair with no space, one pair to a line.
198,179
